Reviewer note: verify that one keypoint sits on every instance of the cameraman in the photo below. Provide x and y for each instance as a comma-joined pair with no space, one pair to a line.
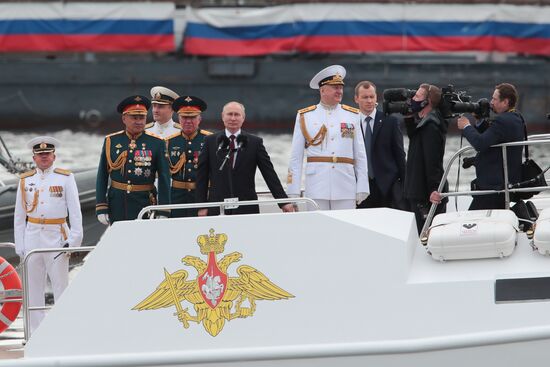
427,131
506,127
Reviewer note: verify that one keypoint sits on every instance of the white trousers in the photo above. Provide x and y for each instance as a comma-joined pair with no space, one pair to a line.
39,267
335,204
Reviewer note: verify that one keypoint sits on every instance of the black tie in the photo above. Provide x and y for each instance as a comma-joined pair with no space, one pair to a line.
232,150
368,145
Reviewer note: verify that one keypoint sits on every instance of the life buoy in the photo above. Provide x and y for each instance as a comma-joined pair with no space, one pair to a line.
12,290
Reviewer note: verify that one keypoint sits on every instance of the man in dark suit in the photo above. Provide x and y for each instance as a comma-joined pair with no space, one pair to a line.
220,178
385,153
508,126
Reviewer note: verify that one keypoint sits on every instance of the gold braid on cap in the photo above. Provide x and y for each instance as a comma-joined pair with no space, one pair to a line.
175,168
119,162
23,196
317,139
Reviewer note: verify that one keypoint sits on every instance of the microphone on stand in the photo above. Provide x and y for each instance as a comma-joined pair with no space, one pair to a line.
223,142
242,141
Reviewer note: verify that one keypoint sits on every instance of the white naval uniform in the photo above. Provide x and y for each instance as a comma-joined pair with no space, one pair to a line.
57,194
327,181
164,130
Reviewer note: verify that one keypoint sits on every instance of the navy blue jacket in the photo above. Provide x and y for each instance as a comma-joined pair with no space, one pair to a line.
388,155
507,127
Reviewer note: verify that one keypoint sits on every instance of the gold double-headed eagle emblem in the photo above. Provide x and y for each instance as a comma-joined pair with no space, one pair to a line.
216,297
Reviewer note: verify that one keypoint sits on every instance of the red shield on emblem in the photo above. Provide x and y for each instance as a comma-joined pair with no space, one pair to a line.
212,283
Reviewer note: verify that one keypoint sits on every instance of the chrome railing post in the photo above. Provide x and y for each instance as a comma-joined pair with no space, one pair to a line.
24,263
506,180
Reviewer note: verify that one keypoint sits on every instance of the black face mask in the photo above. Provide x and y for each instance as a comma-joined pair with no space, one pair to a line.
417,106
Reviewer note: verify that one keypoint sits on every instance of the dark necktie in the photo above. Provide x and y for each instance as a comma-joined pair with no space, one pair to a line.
232,150
368,145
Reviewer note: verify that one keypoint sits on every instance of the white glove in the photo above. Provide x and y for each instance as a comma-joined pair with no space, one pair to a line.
361,196
161,217
103,219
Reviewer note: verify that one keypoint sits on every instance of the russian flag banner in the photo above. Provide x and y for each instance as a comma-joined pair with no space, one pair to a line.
82,27
361,28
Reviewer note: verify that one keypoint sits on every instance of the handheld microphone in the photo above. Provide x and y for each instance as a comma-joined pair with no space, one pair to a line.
223,142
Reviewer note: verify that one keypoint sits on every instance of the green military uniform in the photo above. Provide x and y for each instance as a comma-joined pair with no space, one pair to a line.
132,164
183,155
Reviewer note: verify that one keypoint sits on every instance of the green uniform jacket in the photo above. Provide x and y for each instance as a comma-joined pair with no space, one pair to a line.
183,155
128,163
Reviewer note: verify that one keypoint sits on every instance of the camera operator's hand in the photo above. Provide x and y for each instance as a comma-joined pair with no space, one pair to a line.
468,162
462,122
435,197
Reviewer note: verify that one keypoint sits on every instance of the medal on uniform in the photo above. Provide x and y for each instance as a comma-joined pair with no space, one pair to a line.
195,159
56,191
347,130
132,144
138,171
147,172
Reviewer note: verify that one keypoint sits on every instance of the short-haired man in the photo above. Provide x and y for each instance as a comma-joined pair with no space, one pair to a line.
162,99
507,126
131,158
183,153
427,131
234,178
45,197
385,153
329,135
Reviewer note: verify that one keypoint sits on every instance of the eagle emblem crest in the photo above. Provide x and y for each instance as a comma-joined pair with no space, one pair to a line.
215,296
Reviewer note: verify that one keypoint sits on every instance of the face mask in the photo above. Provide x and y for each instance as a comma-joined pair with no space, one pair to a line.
417,106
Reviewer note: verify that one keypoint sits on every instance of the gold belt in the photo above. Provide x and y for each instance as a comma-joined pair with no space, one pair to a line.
331,160
46,221
59,221
184,185
132,187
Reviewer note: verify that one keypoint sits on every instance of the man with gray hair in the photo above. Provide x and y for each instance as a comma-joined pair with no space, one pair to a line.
227,166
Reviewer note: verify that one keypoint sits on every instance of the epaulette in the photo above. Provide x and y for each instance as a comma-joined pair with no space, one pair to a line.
154,135
350,109
62,171
177,125
172,136
206,132
30,173
149,125
307,109
116,133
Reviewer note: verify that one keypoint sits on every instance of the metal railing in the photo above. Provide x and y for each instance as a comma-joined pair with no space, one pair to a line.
225,205
25,281
541,139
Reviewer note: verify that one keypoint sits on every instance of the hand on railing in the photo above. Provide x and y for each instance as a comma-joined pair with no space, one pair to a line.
435,197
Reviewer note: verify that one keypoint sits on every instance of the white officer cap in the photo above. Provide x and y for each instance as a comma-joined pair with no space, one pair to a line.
43,144
331,75
162,95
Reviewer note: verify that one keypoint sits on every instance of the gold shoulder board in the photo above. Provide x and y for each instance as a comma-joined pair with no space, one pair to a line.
350,109
149,125
116,133
28,174
307,109
62,171
206,132
172,136
153,135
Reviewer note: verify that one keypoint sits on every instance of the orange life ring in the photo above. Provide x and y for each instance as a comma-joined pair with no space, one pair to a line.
11,283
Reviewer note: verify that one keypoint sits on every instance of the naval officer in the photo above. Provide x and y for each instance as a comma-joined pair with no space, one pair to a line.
45,197
183,152
131,158
329,135
161,101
